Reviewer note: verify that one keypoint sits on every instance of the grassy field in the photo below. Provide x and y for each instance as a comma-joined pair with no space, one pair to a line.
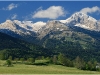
50,69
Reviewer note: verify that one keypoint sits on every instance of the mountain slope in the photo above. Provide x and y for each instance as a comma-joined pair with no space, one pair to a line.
10,46
72,41
57,30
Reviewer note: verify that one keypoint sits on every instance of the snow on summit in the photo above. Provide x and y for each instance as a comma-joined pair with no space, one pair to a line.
28,25
82,20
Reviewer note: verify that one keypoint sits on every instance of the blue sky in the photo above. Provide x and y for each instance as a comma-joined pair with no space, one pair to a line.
46,10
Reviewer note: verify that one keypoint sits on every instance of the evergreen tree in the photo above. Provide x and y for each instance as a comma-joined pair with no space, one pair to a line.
55,59
8,62
31,60
61,58
3,55
64,60
79,63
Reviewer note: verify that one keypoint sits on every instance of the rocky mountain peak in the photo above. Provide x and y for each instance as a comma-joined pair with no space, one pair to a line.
78,15
82,20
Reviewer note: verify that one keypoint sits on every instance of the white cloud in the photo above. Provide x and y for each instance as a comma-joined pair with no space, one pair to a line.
14,16
10,7
52,12
90,10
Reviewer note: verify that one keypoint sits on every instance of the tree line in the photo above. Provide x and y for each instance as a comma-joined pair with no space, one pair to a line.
59,59
78,62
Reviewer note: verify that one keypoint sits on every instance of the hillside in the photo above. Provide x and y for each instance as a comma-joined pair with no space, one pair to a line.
10,46
71,42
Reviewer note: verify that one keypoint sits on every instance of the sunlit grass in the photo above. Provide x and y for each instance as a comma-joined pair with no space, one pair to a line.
44,69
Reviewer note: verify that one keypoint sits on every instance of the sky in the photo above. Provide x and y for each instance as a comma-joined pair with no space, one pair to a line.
46,10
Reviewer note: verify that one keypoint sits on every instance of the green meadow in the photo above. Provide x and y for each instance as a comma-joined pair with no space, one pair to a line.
41,69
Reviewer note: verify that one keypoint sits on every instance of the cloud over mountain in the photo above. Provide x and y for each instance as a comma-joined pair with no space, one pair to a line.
90,10
52,12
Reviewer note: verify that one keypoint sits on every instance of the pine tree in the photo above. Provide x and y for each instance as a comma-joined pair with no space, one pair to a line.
8,62
31,60
55,59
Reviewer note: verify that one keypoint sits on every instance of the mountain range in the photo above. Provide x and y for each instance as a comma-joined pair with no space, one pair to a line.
29,28
78,35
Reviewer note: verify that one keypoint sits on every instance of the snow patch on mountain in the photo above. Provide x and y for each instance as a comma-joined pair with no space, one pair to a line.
82,26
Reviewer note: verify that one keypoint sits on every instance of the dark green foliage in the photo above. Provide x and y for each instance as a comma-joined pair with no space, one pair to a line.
31,60
63,60
40,64
16,59
68,63
79,63
10,57
22,60
3,55
83,65
55,59
8,63
89,66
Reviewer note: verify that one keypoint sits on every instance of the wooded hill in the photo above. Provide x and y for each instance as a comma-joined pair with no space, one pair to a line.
10,46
